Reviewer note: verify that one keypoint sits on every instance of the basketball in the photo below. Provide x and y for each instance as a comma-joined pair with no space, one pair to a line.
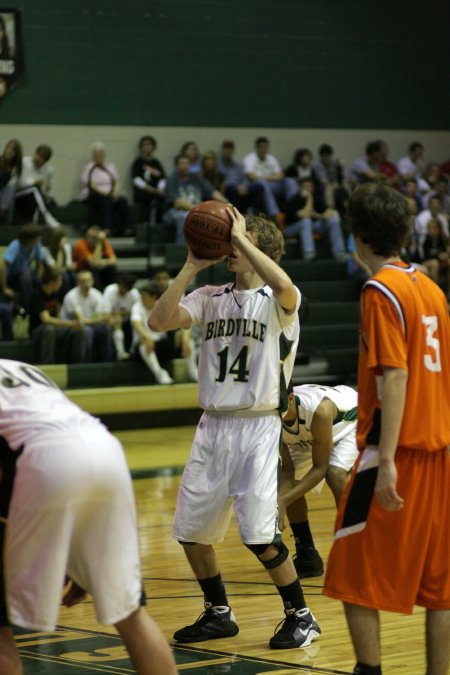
207,230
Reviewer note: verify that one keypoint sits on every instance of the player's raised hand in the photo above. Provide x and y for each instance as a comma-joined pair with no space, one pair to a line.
202,263
238,220
386,487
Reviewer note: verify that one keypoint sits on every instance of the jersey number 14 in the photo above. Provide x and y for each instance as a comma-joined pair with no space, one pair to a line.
238,368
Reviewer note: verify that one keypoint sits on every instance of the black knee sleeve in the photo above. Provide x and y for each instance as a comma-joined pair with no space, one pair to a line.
259,549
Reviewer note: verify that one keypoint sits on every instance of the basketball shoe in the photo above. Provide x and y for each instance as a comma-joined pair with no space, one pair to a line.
299,629
215,622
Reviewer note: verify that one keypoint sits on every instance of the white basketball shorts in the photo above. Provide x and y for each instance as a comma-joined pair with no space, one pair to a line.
343,456
72,512
234,462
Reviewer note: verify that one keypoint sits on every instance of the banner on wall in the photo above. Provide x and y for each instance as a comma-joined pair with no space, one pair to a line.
11,49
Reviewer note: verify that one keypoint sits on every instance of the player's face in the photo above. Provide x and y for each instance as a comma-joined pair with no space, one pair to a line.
292,412
237,262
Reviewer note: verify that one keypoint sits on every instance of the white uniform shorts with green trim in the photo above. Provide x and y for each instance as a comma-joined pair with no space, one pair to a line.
343,456
72,512
234,462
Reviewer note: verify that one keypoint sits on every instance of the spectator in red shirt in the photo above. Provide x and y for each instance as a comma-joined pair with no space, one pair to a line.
95,253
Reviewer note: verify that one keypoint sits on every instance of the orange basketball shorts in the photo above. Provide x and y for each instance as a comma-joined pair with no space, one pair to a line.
390,560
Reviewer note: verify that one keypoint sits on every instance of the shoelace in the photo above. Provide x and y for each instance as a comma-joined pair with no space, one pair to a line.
289,620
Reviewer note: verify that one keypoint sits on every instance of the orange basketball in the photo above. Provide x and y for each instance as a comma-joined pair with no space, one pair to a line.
207,230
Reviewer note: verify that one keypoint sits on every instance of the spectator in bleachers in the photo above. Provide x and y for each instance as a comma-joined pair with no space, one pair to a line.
55,340
211,173
94,252
307,214
22,265
263,169
10,172
84,303
118,299
158,349
237,189
32,194
441,190
430,178
330,173
433,212
191,151
148,178
302,167
388,168
436,251
445,169
58,253
101,190
161,276
413,196
6,318
366,168
145,341
183,191
412,165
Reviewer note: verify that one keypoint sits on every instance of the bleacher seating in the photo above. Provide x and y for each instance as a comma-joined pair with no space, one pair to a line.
329,333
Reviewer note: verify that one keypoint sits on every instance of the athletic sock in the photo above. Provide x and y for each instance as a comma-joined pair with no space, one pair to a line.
292,596
302,535
364,669
214,590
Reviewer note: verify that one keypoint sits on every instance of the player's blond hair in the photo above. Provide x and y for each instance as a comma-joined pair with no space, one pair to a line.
270,240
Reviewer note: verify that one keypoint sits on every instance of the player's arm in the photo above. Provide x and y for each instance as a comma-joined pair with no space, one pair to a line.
393,395
281,284
322,432
167,314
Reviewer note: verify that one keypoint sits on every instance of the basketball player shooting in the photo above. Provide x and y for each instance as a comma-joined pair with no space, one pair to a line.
250,331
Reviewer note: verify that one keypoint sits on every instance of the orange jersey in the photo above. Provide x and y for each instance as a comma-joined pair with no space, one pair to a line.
405,324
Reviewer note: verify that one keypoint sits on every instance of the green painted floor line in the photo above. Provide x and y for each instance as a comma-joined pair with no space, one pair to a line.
157,472
74,651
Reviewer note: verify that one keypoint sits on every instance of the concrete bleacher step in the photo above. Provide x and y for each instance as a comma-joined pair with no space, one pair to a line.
320,337
327,291
332,312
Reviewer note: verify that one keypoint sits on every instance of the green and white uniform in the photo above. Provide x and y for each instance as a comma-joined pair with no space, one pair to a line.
299,439
246,358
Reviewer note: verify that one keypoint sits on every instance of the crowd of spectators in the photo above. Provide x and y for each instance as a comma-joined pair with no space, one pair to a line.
81,310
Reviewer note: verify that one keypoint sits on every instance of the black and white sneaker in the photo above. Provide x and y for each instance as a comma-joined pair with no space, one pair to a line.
308,563
215,622
299,629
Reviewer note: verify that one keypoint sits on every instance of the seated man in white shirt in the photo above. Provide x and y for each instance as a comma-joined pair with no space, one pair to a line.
85,304
156,348
118,300
33,188
263,169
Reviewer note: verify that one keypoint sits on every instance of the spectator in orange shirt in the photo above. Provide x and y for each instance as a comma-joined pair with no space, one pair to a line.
95,253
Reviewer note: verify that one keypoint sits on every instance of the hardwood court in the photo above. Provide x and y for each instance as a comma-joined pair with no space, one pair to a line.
82,647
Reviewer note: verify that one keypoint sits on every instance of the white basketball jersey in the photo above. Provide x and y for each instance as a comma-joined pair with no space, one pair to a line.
30,403
248,347
308,397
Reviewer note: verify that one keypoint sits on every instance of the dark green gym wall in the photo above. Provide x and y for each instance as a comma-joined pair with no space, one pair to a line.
339,64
